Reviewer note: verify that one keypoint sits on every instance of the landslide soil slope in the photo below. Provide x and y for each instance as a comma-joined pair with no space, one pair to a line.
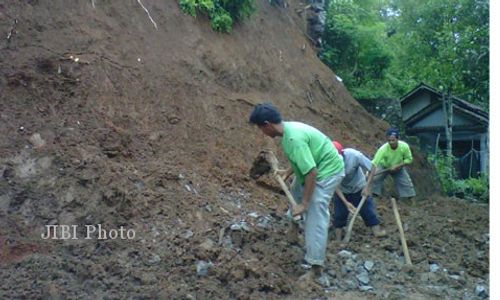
148,130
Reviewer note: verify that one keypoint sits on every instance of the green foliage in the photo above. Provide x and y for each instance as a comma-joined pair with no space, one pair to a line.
222,13
238,9
189,7
384,48
446,44
355,48
475,188
221,21
445,171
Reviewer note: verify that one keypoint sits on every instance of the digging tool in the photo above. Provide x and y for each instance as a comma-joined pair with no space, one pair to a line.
358,209
401,231
274,169
353,218
266,161
381,172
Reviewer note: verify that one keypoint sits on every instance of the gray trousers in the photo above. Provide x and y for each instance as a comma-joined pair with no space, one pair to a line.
317,217
402,181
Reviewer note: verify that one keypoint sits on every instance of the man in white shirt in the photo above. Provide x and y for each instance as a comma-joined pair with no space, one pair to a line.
350,192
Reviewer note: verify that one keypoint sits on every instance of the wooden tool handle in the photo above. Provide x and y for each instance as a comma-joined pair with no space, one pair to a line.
285,189
351,223
401,232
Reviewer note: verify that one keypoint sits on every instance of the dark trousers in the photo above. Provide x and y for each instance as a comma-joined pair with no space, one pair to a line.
367,212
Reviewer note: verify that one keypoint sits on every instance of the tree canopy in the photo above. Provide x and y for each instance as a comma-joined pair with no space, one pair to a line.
384,48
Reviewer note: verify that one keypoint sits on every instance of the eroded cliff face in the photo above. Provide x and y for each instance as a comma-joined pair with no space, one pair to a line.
108,120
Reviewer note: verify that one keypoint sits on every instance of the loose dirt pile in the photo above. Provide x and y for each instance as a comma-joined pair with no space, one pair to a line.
107,120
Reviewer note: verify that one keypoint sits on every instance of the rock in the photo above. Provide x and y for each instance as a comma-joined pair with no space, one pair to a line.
350,264
433,268
263,222
208,245
429,277
369,265
188,234
240,226
456,277
227,243
154,260
202,267
350,284
345,254
363,278
253,215
331,273
37,141
480,291
344,270
323,281
365,288
148,278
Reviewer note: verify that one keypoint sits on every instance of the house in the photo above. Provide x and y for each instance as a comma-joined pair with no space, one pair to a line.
424,116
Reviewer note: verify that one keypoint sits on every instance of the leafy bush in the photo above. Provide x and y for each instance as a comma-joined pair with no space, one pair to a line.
189,7
222,13
475,188
221,22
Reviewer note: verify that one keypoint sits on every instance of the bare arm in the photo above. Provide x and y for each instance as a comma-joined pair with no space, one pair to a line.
348,204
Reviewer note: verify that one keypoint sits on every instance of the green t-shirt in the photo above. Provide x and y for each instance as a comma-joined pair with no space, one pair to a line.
386,157
306,148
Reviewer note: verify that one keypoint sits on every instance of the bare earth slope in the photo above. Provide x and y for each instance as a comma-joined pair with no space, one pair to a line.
148,130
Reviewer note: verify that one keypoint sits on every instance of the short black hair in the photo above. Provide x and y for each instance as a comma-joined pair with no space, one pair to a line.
392,131
265,112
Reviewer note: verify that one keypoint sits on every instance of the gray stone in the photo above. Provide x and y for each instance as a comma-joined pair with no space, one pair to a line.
345,254
331,273
433,268
366,288
263,222
350,264
253,215
429,277
154,260
344,270
323,281
480,291
208,245
202,267
148,278
186,235
240,226
369,265
350,284
363,278
227,243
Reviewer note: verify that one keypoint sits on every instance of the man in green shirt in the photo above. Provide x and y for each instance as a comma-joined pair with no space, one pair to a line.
391,158
318,170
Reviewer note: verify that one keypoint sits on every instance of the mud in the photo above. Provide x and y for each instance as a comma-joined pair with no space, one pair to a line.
148,131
